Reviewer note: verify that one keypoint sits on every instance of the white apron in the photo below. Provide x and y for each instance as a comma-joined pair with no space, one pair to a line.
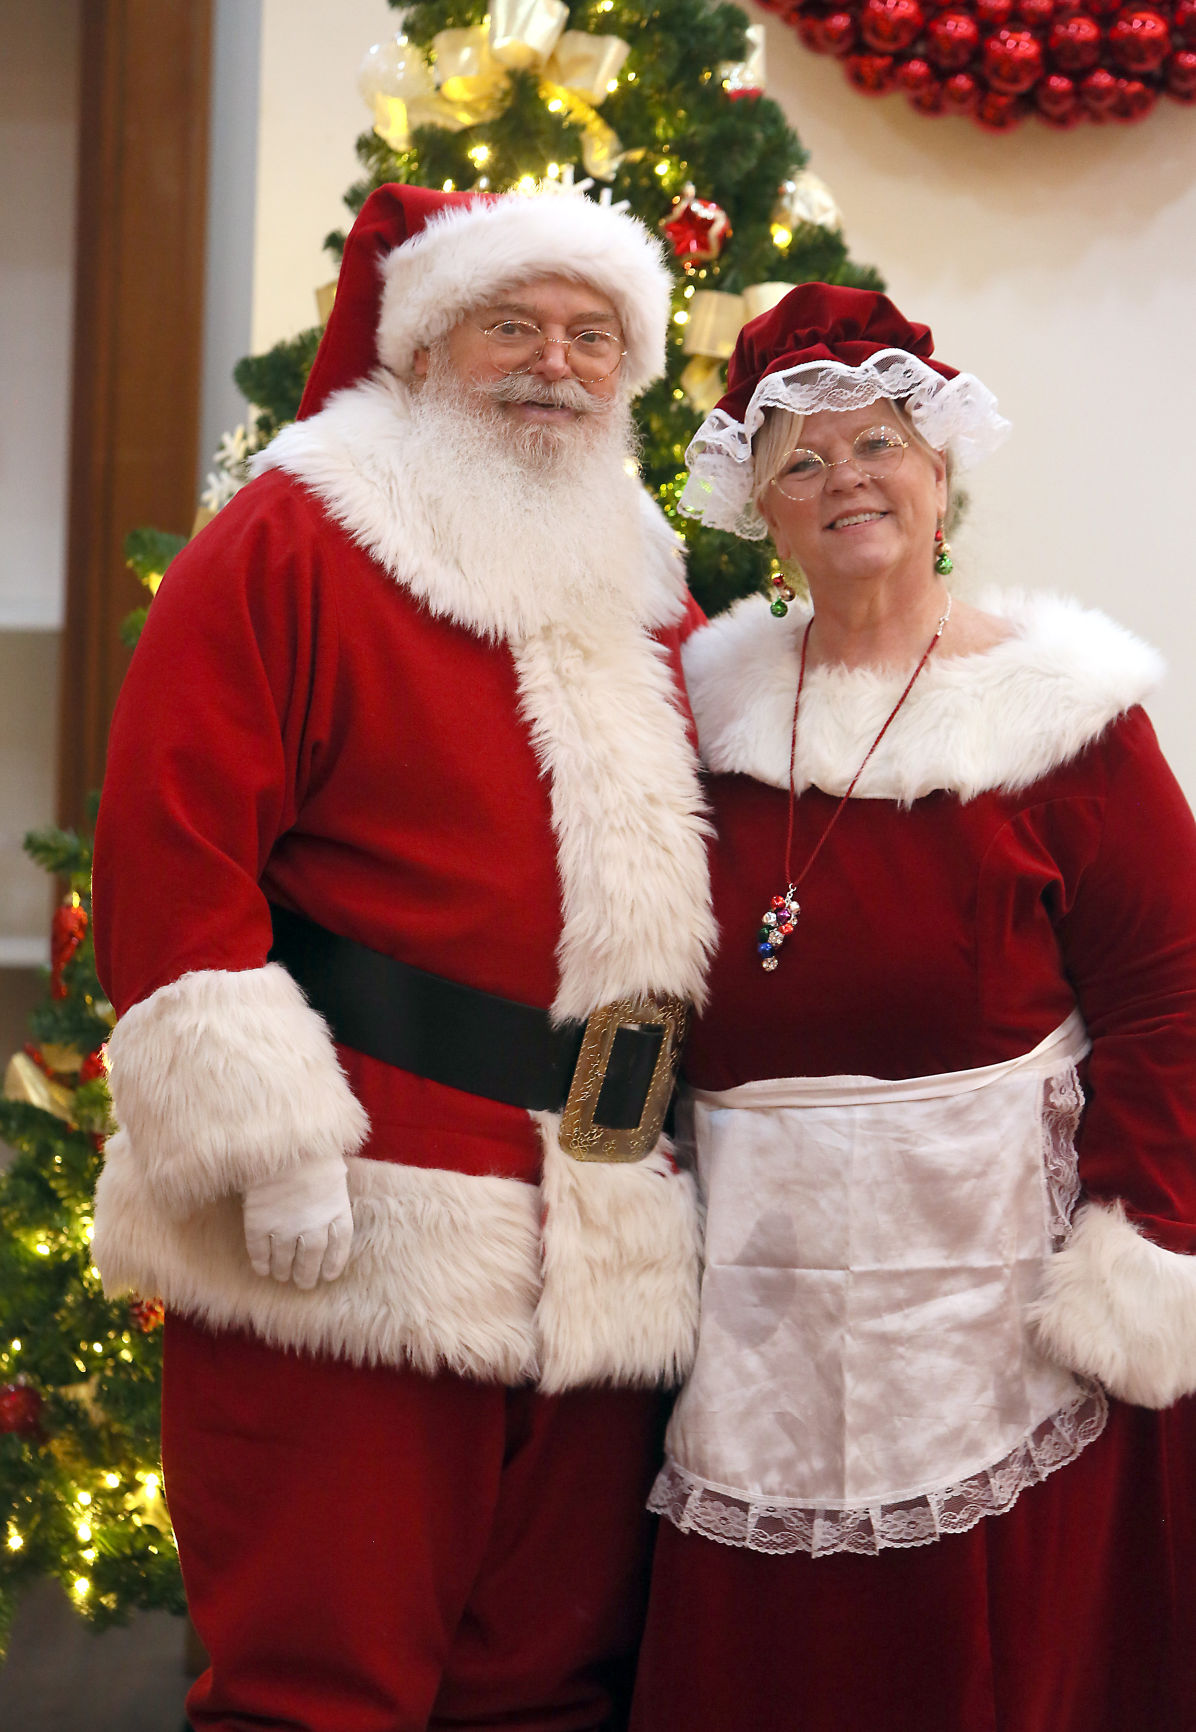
865,1373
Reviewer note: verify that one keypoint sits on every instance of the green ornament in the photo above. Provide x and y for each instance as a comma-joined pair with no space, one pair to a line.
944,565
779,607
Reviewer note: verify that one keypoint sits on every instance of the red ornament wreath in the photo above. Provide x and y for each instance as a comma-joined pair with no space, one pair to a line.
1000,60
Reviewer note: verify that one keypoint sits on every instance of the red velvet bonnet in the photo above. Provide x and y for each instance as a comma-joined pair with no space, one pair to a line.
828,347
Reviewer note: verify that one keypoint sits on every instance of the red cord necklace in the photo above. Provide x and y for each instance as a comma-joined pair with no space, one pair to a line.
778,923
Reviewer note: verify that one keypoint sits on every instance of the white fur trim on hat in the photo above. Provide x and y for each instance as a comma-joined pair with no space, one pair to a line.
1119,1307
466,254
222,1079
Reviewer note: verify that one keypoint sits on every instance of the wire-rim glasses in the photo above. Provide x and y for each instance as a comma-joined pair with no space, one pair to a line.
876,452
514,346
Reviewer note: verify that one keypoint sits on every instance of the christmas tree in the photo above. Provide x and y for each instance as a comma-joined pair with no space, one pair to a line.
663,108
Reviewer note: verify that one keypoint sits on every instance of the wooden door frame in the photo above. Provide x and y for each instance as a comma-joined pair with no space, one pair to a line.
138,336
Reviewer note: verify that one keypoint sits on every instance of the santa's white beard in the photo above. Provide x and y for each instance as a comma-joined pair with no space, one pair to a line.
546,511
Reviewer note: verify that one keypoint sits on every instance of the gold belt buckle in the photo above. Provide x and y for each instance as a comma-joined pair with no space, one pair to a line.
579,1135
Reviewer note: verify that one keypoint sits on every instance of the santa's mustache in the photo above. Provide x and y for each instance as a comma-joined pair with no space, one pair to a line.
550,393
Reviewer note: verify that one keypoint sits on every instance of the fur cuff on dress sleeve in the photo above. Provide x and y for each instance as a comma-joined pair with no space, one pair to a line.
220,1080
1118,1307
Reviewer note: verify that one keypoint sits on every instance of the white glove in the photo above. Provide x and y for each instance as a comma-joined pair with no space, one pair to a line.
299,1226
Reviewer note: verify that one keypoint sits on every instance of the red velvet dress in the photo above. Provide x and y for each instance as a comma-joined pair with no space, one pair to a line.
1033,855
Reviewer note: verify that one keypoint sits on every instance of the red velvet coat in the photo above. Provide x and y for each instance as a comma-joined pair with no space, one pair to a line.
320,714
1018,847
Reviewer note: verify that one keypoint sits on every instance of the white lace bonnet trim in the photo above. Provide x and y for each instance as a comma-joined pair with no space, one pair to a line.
959,415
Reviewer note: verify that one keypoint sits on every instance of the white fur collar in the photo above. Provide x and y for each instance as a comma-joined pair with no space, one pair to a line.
1000,719
358,456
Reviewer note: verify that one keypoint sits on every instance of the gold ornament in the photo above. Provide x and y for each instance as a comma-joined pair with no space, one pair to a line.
325,295
395,68
465,70
762,298
465,88
587,65
523,33
715,320
577,81
746,77
23,1081
467,85
702,381
804,198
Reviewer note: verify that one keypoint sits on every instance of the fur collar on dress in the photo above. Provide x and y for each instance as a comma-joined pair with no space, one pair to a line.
369,465
1000,719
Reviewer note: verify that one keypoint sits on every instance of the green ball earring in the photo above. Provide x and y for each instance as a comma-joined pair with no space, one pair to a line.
944,565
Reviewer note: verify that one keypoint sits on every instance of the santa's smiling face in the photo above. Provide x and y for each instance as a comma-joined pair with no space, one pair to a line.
545,355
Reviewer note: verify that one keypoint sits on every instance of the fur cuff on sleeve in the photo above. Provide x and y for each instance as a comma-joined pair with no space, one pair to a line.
220,1080
1118,1307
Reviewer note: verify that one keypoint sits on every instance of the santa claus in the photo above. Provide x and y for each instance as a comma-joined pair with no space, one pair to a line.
401,893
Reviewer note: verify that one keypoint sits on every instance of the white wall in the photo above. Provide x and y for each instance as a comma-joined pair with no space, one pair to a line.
232,211
309,118
1061,268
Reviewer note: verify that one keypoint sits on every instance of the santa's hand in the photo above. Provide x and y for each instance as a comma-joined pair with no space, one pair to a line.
299,1226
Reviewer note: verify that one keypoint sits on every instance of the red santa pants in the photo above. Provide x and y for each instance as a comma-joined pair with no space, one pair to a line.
370,1550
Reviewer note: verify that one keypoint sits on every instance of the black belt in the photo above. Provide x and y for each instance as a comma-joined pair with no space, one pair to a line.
494,1047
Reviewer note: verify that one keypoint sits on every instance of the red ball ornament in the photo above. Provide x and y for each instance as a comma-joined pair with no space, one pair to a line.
1058,102
961,93
147,1314
1056,96
1098,93
1134,100
93,1066
697,229
929,99
1183,22
1140,41
998,112
916,75
1013,61
1036,14
20,1409
67,930
1075,42
839,33
1181,75
951,40
872,73
809,28
890,25
993,14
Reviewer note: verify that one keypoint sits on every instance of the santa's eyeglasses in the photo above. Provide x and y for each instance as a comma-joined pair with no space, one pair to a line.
514,346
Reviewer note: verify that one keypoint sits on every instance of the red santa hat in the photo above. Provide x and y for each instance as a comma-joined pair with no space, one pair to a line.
827,347
416,261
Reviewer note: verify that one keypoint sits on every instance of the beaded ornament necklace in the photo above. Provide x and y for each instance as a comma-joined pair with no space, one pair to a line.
780,919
